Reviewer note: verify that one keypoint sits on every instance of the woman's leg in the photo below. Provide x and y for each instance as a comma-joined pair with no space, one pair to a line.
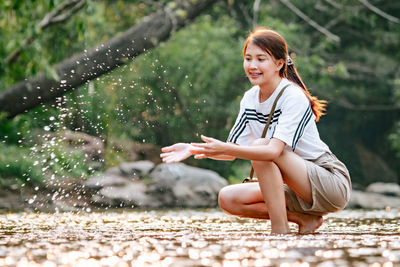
270,200
271,185
246,200
243,200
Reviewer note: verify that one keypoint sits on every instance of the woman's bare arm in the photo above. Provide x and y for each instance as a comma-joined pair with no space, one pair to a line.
214,148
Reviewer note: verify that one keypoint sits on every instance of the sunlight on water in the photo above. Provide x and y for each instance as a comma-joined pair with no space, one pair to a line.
194,238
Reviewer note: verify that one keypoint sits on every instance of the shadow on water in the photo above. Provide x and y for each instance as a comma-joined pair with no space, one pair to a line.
194,238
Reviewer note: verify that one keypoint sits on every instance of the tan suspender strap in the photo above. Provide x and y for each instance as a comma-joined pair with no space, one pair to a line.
271,113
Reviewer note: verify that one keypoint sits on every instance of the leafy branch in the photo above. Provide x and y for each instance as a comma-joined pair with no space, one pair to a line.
379,11
60,14
311,22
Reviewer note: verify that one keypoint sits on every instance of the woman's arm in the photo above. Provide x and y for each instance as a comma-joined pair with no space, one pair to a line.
181,151
215,148
219,157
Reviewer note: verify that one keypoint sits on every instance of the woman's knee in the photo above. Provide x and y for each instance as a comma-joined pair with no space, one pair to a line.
226,198
231,198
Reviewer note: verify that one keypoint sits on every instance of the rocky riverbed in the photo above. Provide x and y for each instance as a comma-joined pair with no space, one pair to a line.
205,237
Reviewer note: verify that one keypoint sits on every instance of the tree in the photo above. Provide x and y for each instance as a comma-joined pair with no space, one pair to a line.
86,66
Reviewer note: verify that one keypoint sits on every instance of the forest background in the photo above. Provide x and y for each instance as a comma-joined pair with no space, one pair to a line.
191,83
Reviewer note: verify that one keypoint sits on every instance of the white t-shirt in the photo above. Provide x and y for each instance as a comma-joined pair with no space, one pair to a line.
293,121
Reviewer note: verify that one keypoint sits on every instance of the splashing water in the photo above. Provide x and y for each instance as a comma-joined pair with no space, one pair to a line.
194,238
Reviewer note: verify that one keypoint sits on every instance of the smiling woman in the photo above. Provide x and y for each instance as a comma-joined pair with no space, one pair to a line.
260,68
299,179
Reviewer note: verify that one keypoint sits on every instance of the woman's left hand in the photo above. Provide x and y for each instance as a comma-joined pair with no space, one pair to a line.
212,147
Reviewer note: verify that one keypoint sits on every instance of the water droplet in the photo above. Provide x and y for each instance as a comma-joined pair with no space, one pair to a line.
46,128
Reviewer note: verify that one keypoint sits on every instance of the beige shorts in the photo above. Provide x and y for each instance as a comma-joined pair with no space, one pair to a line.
330,185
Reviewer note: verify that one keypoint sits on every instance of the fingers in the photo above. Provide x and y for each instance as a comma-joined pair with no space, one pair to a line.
200,156
164,155
167,149
170,158
207,139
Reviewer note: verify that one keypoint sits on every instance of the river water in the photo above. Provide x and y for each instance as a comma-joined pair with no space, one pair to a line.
194,238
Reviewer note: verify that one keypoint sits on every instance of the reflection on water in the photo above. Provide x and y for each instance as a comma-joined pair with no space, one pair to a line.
194,238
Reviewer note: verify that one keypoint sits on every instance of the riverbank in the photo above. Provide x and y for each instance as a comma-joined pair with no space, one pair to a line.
194,238
75,196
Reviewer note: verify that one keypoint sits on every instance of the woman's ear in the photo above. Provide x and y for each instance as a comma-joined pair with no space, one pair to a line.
279,63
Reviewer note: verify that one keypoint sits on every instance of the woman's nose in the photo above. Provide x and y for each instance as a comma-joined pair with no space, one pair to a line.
252,64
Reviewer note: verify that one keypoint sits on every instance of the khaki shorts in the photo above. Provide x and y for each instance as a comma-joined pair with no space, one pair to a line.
330,185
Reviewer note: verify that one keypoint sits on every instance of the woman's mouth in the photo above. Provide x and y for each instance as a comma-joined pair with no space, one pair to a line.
254,75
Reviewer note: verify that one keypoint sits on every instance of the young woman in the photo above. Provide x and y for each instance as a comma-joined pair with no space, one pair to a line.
299,179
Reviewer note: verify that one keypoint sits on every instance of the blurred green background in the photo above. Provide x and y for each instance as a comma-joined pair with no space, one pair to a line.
192,83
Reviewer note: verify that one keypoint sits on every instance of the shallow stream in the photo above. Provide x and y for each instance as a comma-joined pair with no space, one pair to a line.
194,238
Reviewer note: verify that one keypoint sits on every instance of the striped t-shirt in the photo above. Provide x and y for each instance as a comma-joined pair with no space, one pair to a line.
293,121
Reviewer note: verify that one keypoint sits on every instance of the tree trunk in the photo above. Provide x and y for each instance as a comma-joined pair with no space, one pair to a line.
89,65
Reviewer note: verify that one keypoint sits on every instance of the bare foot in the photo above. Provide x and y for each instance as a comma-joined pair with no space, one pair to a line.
309,223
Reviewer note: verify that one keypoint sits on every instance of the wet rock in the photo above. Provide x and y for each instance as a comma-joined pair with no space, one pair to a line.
105,180
370,200
388,189
113,171
132,194
180,185
136,169
168,185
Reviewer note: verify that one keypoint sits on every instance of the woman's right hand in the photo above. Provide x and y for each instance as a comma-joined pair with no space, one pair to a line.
176,153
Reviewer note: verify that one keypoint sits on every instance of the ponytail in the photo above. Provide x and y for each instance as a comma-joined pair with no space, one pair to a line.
289,71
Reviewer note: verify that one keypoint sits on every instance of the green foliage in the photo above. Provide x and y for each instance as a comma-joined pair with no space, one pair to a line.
239,171
394,139
16,167
180,95
193,83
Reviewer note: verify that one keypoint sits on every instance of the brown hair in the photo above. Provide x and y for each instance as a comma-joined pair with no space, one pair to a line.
274,44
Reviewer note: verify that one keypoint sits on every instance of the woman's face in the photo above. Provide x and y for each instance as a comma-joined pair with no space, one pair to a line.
260,67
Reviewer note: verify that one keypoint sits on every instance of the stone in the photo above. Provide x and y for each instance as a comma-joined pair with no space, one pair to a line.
180,185
388,189
167,185
104,180
114,171
136,169
369,200
132,194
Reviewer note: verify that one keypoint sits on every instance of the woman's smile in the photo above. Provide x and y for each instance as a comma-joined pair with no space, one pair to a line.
260,67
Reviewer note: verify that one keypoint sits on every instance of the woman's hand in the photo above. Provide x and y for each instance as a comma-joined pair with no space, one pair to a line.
176,153
212,148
